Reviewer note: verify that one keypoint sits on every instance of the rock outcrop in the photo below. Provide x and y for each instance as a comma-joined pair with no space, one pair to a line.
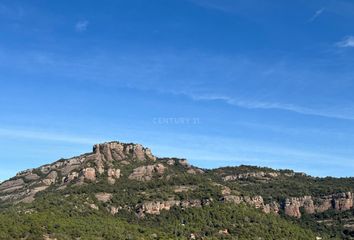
155,207
343,201
113,175
145,173
247,175
293,206
115,151
310,205
50,178
89,174
255,201
103,197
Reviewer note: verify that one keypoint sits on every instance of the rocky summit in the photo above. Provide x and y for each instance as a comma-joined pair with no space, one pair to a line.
123,191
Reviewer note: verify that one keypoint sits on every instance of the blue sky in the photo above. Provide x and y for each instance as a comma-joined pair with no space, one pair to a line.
220,82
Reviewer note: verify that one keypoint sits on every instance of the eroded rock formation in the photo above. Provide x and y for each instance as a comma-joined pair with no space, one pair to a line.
145,173
259,175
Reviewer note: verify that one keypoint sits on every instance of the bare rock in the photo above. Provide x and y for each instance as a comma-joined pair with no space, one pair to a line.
50,178
114,210
195,171
308,204
292,207
191,203
225,191
113,174
31,177
224,232
116,151
145,173
339,202
89,174
30,195
179,189
171,162
323,204
272,207
247,175
93,206
24,173
184,162
255,201
343,201
47,237
71,177
12,185
103,197
155,207
233,199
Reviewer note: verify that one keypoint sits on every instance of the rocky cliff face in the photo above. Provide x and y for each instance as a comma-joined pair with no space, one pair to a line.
258,175
310,205
255,201
155,207
293,206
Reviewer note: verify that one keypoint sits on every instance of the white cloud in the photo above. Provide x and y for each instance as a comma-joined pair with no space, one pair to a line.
81,26
254,104
316,14
346,42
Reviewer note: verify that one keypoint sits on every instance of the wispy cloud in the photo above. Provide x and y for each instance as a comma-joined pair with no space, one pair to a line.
235,151
217,5
346,42
254,104
316,14
81,26
196,82
47,136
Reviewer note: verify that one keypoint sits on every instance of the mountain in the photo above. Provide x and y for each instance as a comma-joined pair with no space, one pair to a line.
122,191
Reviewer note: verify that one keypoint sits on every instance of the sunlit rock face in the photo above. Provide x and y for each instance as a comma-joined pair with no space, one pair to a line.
116,151
145,173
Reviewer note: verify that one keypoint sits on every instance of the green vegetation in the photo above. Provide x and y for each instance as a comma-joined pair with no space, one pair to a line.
75,213
69,217
283,185
240,222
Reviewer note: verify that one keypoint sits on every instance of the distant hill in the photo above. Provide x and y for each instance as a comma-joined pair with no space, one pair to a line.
122,191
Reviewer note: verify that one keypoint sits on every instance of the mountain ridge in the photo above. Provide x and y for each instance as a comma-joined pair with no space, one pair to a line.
127,179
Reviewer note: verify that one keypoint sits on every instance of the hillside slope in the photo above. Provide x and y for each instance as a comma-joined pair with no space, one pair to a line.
123,191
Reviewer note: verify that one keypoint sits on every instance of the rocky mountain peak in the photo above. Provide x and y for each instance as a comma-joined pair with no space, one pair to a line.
106,160
110,151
